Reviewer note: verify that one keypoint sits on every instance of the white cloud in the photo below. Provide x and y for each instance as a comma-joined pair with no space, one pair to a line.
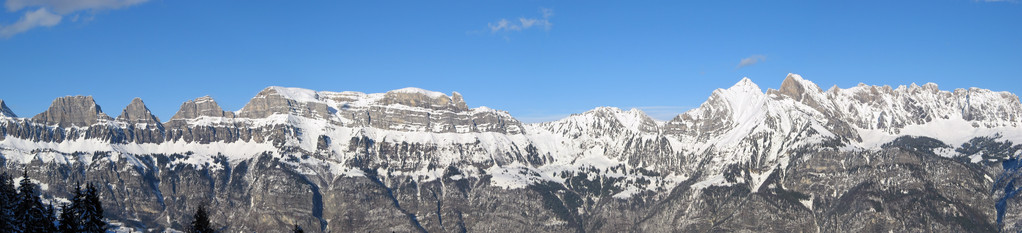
67,6
48,13
751,60
523,23
32,19
503,25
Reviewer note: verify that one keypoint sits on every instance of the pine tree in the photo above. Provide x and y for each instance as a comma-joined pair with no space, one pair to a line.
200,222
69,220
71,214
297,229
30,214
49,218
8,202
92,211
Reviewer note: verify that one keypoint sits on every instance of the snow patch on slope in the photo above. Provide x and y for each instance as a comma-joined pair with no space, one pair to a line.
297,94
953,132
416,90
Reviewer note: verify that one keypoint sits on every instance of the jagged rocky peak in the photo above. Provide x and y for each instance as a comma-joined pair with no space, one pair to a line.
137,113
990,107
891,109
458,100
931,87
5,111
798,88
200,107
285,100
417,97
806,92
928,87
79,111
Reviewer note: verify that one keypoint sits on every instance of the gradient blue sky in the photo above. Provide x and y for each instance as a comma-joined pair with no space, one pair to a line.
551,59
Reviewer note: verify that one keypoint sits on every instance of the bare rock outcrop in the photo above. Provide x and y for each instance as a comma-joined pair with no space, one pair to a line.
279,100
137,113
72,111
5,111
202,106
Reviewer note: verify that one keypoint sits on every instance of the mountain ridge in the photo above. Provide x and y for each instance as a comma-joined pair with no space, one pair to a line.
742,140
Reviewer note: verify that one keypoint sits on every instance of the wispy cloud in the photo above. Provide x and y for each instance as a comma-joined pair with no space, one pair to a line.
68,6
48,13
32,19
751,60
523,23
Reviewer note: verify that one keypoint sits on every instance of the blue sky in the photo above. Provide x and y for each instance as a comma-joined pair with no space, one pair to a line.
539,60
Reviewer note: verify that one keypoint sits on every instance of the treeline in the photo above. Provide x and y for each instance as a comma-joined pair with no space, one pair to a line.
23,211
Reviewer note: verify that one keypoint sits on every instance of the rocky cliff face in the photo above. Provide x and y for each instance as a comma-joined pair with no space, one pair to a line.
72,111
4,111
798,158
136,113
202,107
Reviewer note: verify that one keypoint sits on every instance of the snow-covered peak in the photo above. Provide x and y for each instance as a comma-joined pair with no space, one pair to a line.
890,110
294,93
416,90
637,119
725,105
744,100
604,120
204,99
739,125
633,119
745,86
410,96
588,117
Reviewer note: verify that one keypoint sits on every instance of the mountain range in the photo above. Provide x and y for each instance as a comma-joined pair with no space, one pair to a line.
795,159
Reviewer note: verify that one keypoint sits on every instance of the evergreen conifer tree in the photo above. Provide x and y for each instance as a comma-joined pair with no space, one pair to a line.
30,213
200,222
297,229
69,220
92,211
8,202
49,218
